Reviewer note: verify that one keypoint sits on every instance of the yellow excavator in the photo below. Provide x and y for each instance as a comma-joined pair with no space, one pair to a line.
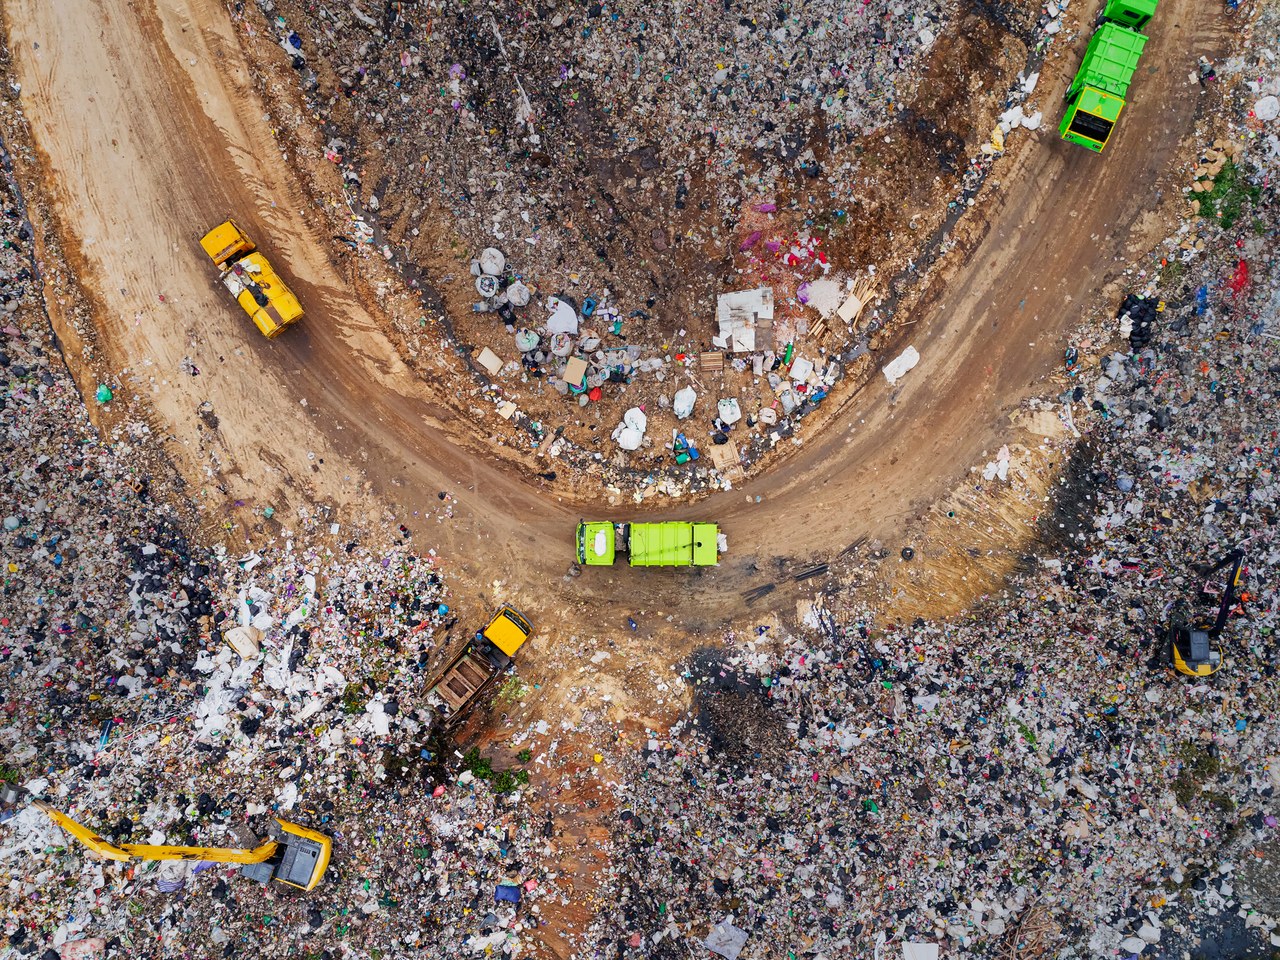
1193,639
293,855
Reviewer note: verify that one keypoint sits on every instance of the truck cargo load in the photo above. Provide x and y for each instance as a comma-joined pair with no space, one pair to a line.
476,669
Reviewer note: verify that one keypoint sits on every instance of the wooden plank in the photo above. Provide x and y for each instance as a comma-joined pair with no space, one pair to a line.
863,292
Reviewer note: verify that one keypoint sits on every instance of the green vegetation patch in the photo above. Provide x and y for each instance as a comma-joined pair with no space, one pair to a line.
1231,192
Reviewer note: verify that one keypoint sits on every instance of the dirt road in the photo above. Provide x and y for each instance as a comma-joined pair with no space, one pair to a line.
151,133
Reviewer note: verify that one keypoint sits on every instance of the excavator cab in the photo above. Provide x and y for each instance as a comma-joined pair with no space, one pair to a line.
1193,650
300,859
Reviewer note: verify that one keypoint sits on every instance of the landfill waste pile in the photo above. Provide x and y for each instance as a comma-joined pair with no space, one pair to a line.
495,113
1036,768
1035,776
126,706
1030,779
617,170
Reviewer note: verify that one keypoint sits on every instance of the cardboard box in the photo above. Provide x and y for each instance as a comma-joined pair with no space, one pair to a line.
490,361
575,371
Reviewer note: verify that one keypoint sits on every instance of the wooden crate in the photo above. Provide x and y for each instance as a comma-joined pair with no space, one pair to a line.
711,362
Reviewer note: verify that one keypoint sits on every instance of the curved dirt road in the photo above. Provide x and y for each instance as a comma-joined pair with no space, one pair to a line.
151,132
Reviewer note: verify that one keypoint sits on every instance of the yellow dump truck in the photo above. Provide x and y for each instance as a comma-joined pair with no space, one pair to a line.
482,661
249,277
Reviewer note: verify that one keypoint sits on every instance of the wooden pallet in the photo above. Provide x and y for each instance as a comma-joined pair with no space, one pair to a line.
863,292
711,362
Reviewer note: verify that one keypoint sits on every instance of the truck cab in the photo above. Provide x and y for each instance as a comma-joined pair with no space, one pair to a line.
1134,14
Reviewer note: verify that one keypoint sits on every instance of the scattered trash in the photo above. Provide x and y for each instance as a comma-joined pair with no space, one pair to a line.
630,433
246,641
902,783
999,467
726,940
563,319
491,362
897,368
492,262
682,405
739,315
729,411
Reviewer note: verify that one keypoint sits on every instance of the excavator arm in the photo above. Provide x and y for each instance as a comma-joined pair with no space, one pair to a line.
145,851
1234,559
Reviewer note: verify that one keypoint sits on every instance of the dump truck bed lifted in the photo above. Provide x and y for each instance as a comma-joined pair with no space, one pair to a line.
481,662
466,677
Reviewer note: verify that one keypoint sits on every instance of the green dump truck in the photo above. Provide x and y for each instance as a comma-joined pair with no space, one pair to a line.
671,544
1097,94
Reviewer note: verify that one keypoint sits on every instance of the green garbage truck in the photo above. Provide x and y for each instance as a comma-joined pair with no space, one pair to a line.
671,544
1097,94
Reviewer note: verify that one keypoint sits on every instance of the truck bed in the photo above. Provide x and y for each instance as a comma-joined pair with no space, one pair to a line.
464,679
672,544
